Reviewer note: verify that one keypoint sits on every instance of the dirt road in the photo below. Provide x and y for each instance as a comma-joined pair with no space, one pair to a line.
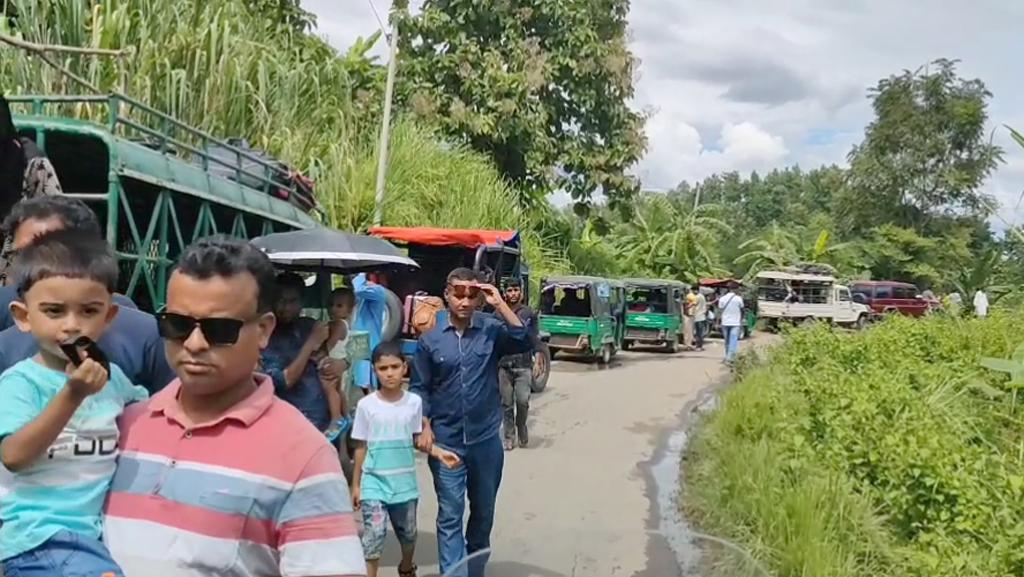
577,502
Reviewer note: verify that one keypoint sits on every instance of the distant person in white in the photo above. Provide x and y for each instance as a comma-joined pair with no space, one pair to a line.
981,304
731,313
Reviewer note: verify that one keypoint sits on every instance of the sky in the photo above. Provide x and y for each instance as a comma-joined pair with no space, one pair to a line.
757,84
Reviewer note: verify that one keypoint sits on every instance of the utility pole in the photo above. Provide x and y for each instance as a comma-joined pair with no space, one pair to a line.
385,126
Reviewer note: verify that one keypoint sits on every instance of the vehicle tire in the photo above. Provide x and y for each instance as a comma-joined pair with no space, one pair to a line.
541,369
672,347
391,322
862,322
606,355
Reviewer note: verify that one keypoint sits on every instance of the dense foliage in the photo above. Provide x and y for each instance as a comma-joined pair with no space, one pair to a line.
244,68
541,86
838,457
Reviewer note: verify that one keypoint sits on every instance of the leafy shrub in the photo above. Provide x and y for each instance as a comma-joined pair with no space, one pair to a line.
888,452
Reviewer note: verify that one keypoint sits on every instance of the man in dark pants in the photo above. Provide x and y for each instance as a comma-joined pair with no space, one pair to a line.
456,375
515,372
132,342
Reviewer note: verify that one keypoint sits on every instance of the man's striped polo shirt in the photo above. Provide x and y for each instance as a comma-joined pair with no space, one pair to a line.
258,492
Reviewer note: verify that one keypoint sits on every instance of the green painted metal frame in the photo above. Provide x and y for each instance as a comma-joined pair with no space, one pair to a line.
151,262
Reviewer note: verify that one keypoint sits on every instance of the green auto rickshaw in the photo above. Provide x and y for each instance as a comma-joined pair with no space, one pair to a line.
653,315
577,317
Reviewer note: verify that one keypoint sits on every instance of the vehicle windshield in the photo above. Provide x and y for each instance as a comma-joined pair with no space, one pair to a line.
647,300
565,301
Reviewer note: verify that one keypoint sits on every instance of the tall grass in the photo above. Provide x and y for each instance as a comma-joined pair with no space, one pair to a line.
888,452
220,67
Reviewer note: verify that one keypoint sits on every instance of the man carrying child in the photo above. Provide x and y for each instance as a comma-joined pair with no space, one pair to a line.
58,429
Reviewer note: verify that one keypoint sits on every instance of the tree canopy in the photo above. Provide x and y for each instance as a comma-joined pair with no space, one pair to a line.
541,86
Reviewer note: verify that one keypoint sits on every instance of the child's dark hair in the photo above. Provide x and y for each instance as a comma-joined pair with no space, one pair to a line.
342,292
387,349
65,253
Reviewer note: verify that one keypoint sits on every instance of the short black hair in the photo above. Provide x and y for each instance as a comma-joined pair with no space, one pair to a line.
463,274
225,256
289,280
74,213
343,291
387,349
513,282
65,253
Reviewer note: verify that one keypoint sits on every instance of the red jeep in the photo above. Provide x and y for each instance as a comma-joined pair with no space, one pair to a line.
891,297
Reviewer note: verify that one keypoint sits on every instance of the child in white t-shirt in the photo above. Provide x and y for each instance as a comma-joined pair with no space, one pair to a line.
384,482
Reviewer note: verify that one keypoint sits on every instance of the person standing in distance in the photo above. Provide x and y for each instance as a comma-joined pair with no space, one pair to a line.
456,376
515,372
731,307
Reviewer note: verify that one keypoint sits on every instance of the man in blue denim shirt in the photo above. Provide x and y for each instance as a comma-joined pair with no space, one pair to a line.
289,358
456,375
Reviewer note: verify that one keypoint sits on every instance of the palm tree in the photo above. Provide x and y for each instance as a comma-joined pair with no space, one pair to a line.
664,239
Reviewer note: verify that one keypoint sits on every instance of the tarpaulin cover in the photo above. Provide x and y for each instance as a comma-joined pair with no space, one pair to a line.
446,236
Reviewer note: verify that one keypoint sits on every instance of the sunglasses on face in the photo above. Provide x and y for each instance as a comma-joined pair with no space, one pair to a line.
462,292
216,331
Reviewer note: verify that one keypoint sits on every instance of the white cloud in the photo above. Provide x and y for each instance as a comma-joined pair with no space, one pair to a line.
755,84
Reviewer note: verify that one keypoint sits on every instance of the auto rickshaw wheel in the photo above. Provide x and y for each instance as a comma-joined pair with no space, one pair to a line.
672,346
606,355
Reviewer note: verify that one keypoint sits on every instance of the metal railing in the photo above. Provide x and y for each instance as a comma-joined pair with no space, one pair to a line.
124,113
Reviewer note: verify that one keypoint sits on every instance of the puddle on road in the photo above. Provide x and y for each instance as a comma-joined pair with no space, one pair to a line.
687,544
676,530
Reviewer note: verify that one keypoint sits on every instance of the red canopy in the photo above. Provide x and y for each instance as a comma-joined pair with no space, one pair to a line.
445,236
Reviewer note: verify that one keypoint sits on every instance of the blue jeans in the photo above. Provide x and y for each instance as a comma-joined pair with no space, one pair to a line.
66,554
478,476
732,341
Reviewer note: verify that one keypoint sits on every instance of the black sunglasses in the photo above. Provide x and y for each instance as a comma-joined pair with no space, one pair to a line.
216,331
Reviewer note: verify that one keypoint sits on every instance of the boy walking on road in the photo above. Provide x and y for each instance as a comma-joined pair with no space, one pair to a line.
515,373
384,484
456,375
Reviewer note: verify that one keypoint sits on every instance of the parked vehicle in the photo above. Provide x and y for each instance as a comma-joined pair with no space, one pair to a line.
577,317
885,297
653,315
158,184
798,297
496,254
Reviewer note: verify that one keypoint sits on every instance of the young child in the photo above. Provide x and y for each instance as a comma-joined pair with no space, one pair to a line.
384,483
342,303
58,428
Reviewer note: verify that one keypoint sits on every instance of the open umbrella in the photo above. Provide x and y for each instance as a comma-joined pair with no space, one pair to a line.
328,249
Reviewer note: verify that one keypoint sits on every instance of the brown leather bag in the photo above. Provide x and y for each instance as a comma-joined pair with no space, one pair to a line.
424,313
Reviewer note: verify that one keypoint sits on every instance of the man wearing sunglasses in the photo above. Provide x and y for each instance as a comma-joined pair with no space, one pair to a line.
132,341
456,375
217,475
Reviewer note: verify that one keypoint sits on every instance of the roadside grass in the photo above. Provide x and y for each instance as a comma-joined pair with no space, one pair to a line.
885,452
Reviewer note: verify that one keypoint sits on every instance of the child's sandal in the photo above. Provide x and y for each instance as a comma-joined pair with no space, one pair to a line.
408,573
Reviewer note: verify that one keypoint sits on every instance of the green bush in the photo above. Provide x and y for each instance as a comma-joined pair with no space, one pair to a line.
888,452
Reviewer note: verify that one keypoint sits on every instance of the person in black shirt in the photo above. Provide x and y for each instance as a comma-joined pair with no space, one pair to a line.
515,372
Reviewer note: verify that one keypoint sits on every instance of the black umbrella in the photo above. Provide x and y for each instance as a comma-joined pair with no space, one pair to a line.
326,248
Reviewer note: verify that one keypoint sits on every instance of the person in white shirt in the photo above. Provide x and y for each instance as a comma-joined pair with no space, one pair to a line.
731,314
981,304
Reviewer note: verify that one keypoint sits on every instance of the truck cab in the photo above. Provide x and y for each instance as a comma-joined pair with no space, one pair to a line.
798,297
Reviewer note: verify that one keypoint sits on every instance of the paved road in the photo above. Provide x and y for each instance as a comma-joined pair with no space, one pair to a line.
576,503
